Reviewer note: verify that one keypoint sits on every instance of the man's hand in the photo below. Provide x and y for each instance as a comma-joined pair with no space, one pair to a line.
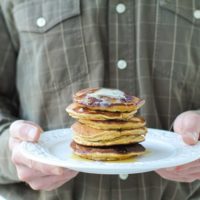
39,176
187,125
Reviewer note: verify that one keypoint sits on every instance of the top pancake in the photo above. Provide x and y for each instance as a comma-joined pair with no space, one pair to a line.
104,99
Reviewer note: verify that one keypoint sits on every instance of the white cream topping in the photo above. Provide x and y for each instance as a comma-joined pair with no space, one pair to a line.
117,94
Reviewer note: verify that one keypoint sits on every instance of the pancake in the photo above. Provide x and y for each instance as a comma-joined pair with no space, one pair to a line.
111,100
131,139
107,128
88,136
78,112
119,152
132,123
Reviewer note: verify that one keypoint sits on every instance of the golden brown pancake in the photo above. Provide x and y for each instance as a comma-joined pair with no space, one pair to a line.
131,139
132,123
119,152
107,100
78,112
107,128
88,136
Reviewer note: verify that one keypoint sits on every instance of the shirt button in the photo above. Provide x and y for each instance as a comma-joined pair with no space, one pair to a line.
41,22
120,8
123,176
121,64
196,14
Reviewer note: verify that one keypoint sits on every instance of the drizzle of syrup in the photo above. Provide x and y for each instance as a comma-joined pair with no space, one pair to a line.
129,160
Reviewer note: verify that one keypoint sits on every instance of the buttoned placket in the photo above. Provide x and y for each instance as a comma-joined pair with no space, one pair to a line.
121,9
121,62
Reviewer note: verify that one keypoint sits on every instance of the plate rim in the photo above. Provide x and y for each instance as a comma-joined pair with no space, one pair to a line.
90,169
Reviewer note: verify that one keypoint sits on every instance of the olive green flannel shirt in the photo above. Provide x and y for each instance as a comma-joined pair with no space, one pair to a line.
49,49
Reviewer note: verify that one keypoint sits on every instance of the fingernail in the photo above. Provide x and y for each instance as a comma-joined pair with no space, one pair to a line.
57,171
190,138
194,136
31,133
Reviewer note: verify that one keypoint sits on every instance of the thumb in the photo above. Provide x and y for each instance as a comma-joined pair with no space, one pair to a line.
187,125
25,131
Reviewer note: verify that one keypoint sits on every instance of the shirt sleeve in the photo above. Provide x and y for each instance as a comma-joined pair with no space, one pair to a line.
8,172
8,101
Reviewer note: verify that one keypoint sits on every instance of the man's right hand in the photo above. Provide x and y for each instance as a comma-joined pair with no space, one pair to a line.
39,176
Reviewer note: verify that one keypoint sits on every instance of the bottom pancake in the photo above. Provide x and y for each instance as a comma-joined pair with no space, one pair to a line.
119,152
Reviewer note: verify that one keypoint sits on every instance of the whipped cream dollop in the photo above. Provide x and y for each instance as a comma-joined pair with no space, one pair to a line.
112,93
103,96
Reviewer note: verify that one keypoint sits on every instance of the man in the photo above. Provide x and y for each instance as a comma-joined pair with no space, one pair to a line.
51,49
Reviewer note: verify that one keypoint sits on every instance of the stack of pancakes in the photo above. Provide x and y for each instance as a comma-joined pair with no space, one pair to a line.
107,128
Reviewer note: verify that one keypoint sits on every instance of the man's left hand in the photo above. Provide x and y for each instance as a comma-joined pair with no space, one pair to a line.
187,125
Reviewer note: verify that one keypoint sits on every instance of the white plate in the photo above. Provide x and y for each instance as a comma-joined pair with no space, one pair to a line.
164,149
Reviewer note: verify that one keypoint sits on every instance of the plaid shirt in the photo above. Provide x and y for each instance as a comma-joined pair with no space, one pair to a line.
49,49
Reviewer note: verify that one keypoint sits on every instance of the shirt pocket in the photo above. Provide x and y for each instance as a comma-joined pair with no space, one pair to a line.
187,10
177,39
51,48
177,48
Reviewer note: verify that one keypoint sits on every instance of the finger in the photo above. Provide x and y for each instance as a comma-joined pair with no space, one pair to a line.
190,170
190,138
44,182
19,159
55,186
187,125
195,176
51,182
26,174
25,130
174,176
189,166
